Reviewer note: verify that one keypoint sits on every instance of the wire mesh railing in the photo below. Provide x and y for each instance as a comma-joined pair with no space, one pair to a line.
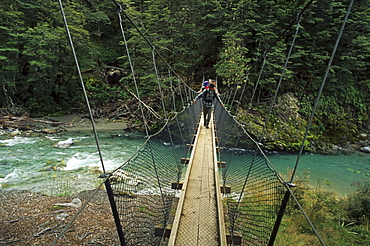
254,189
142,187
146,202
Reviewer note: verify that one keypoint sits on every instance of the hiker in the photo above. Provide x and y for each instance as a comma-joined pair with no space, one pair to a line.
208,97
205,85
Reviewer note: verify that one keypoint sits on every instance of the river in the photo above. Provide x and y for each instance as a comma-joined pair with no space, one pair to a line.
338,173
33,163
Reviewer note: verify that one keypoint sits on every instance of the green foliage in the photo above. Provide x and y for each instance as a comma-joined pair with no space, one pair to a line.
100,93
223,39
38,64
358,204
329,215
232,65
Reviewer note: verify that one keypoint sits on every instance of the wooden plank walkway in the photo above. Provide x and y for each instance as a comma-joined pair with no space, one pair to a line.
199,216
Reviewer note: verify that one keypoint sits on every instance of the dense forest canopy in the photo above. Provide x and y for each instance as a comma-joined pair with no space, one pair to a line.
199,39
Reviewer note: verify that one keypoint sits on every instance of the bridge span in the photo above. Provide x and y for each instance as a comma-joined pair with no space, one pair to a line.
199,218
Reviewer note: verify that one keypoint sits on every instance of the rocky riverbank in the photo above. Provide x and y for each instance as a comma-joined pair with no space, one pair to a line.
28,218
25,125
288,139
286,129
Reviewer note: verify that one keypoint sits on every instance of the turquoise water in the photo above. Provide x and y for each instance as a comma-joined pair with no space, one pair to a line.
337,173
34,163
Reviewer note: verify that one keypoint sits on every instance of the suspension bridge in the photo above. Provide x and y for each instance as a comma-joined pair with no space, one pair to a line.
191,191
189,185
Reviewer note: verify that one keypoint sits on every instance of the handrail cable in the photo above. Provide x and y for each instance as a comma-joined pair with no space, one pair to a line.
186,91
82,84
132,70
320,90
233,213
290,183
275,96
258,147
246,179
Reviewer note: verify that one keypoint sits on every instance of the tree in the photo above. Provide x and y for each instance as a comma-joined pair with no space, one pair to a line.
10,40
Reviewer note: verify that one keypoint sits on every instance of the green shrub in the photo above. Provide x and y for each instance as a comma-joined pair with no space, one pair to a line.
358,204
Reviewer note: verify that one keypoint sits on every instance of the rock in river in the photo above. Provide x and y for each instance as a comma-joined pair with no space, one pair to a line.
64,144
365,149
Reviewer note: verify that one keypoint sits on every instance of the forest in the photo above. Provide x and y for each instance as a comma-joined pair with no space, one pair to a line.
236,42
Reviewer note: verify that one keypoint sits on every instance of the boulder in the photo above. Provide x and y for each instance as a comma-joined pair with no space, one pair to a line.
76,203
365,149
15,132
64,144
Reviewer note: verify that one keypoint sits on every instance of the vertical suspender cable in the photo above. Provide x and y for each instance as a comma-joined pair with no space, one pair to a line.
181,96
132,70
145,38
258,80
288,192
281,78
278,38
159,85
82,84
242,93
236,90
188,97
173,91
321,88
226,97
106,182
151,149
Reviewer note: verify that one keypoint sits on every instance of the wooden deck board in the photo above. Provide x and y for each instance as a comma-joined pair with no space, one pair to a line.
198,224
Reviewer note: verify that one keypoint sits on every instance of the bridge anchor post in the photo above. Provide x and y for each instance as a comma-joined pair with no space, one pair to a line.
279,218
114,209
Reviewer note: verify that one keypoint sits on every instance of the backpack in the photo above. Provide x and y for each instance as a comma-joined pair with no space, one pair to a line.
205,84
208,96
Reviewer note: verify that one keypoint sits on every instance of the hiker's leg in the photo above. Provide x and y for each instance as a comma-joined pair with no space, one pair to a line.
204,115
208,111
